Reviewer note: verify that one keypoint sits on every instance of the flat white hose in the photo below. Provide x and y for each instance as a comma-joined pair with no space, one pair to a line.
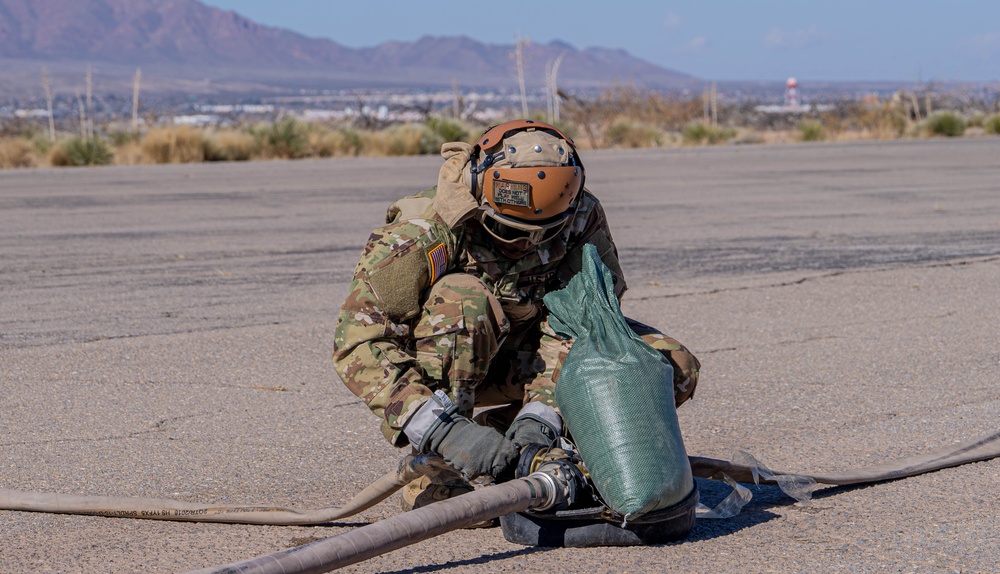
963,453
410,467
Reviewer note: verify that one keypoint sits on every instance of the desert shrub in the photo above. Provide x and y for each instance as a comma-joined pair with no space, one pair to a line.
722,135
42,145
945,123
352,143
631,134
17,152
448,130
885,120
230,145
811,131
79,152
430,141
408,139
121,137
594,116
323,144
748,137
336,142
285,139
180,144
695,133
699,133
991,125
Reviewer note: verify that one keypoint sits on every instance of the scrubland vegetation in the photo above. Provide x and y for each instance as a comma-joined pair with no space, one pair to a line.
619,118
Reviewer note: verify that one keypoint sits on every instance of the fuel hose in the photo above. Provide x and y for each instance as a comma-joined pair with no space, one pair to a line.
410,468
967,452
534,491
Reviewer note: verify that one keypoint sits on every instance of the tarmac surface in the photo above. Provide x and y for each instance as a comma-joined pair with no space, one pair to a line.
166,331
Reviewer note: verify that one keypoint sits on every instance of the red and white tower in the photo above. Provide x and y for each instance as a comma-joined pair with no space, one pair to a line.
792,93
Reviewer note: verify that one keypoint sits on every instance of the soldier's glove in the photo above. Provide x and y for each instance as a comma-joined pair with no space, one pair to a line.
472,449
535,424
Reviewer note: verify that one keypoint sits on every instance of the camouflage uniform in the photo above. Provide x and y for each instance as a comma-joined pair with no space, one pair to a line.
434,305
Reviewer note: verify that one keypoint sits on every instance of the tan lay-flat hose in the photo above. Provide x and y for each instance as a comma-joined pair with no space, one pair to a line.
963,453
410,468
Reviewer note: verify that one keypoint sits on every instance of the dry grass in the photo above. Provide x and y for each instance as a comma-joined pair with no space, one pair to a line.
620,118
811,131
398,140
885,120
698,133
602,122
130,153
335,143
179,144
286,138
230,145
17,152
991,125
629,133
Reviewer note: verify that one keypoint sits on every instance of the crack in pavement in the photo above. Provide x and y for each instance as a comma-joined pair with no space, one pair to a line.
44,339
800,281
157,427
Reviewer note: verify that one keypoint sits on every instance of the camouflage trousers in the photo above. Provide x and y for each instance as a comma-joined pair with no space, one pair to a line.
467,345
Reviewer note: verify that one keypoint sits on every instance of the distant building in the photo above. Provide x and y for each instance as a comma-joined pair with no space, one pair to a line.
793,103
196,120
20,113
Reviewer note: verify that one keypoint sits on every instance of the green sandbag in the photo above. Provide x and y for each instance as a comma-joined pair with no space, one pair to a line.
615,393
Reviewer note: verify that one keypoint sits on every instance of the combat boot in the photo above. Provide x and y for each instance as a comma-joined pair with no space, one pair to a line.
424,491
442,483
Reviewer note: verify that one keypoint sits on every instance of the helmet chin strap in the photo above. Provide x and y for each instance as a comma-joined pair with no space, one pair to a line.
474,170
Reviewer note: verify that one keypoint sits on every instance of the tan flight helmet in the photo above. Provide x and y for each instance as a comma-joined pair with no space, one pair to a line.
527,178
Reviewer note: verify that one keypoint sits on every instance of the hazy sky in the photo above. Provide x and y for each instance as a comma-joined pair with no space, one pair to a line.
909,40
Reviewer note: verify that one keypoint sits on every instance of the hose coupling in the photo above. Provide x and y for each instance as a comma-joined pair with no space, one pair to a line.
563,480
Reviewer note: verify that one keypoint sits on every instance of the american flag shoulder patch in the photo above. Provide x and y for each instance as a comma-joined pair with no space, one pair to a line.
437,259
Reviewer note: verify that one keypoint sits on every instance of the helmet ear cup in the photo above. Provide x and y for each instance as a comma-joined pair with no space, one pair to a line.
473,174
473,177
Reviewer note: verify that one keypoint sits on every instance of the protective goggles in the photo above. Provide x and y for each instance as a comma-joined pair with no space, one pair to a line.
520,235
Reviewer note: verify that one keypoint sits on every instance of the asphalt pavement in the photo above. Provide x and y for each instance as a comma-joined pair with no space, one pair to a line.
166,331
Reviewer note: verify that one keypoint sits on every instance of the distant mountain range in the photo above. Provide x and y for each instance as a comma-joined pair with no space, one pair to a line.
184,46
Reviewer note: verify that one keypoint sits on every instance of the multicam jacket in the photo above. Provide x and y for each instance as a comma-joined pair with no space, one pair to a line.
373,343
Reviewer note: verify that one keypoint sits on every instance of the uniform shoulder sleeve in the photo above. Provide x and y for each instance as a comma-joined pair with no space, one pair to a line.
400,261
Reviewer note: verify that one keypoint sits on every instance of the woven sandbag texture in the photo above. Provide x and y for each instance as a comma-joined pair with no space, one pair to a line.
615,393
